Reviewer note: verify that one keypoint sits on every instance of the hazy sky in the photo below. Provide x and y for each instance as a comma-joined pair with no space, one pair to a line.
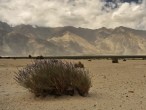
79,13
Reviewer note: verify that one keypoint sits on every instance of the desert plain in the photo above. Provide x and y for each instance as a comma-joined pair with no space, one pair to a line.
115,86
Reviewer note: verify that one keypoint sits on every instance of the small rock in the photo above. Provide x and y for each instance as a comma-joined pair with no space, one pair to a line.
140,102
104,77
6,94
142,97
131,91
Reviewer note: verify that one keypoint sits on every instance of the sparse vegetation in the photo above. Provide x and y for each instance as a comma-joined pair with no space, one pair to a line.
115,60
40,57
79,65
144,58
124,59
54,77
29,56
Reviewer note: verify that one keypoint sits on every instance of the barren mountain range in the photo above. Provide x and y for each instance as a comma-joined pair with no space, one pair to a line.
23,40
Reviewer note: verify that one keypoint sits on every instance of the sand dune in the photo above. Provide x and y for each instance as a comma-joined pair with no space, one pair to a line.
119,86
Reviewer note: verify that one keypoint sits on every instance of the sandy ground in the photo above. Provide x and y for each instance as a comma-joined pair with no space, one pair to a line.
119,86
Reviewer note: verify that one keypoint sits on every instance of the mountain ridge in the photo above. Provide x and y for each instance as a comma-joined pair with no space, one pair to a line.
23,40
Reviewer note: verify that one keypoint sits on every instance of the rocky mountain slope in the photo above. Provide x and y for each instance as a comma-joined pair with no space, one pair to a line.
23,40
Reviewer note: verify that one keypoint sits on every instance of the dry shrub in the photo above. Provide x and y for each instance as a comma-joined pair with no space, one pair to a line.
115,60
40,57
124,59
79,65
29,56
54,77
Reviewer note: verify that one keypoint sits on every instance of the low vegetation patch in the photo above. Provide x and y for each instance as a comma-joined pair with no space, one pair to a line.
29,56
79,65
124,59
115,60
54,77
